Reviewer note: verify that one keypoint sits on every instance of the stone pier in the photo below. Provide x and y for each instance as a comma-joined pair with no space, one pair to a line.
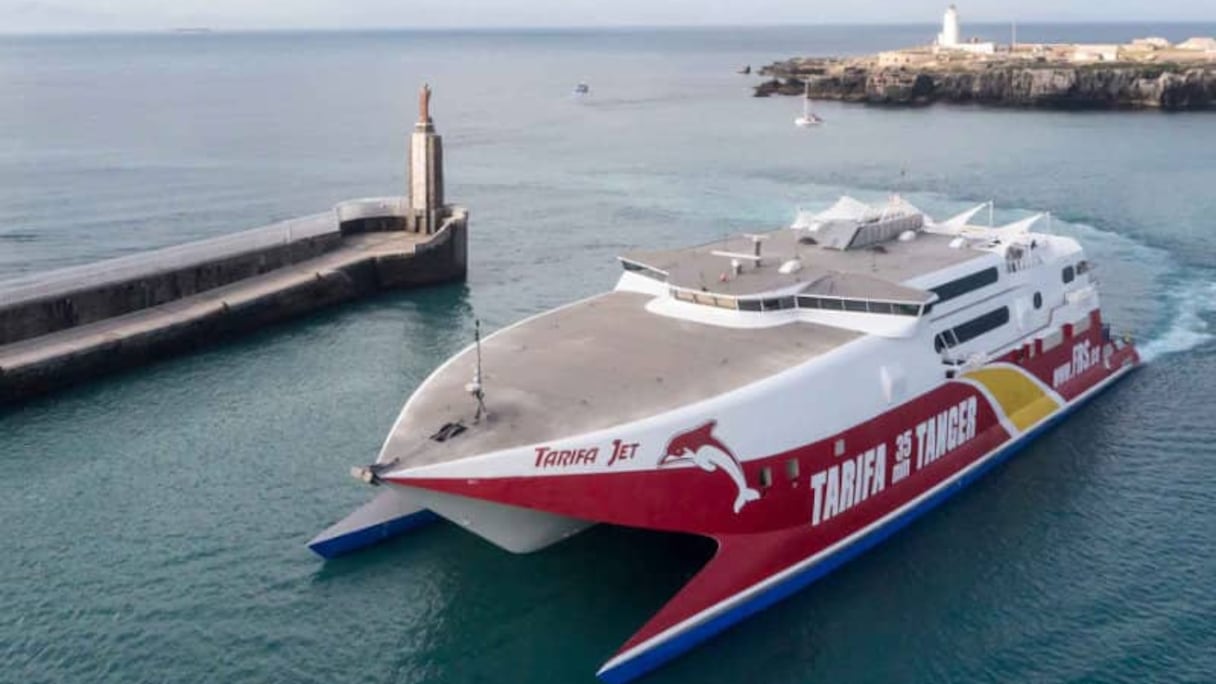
63,327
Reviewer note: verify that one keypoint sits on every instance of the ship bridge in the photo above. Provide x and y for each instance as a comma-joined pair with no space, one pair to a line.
852,258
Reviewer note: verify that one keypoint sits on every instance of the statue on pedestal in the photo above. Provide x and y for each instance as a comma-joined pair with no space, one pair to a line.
424,104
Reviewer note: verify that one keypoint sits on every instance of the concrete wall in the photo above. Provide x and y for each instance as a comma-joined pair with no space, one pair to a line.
222,320
442,259
95,302
32,318
373,215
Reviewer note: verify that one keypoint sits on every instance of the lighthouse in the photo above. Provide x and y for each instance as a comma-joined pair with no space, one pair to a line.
950,31
426,169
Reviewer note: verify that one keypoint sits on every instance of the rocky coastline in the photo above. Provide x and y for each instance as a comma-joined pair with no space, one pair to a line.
1167,87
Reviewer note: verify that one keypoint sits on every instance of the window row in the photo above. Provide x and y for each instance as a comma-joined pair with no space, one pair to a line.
965,332
1070,273
961,286
800,302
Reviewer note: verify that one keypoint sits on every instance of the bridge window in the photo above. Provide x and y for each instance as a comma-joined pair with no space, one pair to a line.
778,303
801,302
961,286
1069,274
857,306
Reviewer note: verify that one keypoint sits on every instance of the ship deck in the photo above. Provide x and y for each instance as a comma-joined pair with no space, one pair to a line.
588,366
876,272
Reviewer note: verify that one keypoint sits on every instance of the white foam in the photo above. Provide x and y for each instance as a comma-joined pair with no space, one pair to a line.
1188,329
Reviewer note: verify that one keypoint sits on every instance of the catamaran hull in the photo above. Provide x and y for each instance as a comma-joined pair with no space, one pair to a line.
390,514
641,656
513,528
783,517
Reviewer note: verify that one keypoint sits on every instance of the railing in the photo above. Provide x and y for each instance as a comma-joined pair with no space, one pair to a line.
371,207
65,280
1026,262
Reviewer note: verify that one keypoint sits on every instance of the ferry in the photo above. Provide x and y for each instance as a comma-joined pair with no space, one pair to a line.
796,395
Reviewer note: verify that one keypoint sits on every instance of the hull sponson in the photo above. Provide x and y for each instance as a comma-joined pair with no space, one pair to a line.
388,515
637,657
813,505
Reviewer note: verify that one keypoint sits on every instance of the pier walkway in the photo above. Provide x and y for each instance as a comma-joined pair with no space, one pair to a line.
16,357
124,312
126,268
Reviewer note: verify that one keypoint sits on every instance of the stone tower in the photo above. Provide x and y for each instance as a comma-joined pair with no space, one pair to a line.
426,169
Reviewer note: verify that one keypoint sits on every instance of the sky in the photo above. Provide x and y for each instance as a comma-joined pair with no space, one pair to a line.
78,15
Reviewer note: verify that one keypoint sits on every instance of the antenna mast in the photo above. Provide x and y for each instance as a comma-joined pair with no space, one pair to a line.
474,388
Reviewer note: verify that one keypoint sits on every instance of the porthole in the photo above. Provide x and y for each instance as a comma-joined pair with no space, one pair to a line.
791,469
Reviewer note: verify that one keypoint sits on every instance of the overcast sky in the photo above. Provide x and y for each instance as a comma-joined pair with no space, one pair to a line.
54,15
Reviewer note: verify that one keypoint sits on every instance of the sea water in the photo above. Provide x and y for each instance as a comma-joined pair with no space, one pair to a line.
154,522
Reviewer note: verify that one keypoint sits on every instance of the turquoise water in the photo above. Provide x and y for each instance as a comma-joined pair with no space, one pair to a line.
154,522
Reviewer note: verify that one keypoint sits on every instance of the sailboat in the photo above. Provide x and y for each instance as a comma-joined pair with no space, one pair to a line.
808,117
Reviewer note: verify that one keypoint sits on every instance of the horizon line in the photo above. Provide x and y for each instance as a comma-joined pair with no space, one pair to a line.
204,29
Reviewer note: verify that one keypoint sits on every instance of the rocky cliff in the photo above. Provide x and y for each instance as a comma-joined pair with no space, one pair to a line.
1098,86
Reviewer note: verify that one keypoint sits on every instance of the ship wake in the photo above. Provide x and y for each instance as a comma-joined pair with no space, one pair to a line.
1191,304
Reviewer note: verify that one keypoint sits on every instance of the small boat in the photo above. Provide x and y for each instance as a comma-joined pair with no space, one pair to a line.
808,117
582,89
745,70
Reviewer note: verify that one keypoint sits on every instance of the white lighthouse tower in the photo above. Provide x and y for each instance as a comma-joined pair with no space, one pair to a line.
949,37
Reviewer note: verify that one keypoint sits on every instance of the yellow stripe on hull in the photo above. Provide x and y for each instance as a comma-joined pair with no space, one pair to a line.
1022,399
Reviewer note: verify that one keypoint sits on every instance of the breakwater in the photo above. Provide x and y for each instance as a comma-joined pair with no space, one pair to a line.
1168,87
66,326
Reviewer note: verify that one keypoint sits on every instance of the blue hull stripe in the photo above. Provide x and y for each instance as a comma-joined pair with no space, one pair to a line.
648,660
359,539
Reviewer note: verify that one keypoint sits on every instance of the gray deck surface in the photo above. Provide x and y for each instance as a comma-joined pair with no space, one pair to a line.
590,366
698,268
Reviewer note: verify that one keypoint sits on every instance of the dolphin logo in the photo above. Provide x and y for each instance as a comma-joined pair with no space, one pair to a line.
700,447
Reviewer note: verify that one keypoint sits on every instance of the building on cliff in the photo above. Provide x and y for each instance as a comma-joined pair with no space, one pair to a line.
949,40
1207,45
1084,54
950,47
